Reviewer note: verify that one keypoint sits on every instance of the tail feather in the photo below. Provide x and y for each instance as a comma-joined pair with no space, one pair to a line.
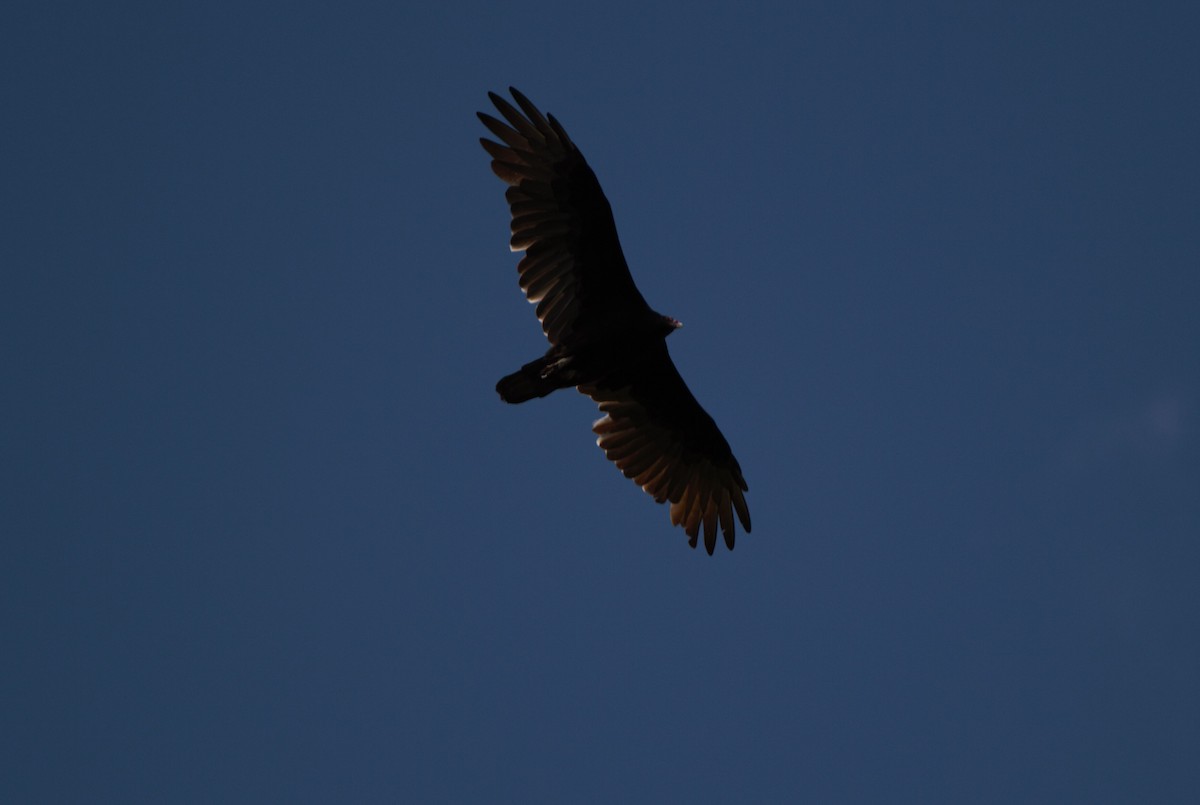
526,383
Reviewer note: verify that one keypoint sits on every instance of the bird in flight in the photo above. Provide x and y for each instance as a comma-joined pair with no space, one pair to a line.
604,339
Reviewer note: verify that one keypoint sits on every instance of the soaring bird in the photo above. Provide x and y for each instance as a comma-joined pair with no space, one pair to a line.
604,339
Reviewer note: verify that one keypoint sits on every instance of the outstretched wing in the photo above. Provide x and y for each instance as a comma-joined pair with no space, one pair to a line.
658,435
573,266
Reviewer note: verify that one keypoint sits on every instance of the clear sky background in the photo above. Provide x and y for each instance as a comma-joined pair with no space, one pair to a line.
269,535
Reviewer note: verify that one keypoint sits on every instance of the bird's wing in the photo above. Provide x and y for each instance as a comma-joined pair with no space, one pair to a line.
573,266
658,435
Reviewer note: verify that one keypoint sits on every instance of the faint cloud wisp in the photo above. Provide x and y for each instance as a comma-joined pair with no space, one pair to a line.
1154,430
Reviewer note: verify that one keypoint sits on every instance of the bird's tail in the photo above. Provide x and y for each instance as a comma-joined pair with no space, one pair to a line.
531,380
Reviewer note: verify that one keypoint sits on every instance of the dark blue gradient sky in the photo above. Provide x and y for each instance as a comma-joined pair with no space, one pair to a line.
270,536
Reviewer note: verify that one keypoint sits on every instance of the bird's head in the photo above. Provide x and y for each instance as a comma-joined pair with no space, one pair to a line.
670,325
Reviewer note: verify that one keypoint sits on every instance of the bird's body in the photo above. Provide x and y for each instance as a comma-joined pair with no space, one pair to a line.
588,361
604,339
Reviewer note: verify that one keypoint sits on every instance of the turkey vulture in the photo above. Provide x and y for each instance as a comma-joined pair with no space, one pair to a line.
604,339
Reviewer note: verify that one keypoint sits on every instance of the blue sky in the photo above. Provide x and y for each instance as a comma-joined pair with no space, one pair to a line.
269,535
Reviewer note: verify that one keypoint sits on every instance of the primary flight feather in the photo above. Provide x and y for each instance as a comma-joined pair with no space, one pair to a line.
604,339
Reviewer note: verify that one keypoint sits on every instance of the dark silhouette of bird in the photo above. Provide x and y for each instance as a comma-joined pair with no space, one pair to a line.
604,339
